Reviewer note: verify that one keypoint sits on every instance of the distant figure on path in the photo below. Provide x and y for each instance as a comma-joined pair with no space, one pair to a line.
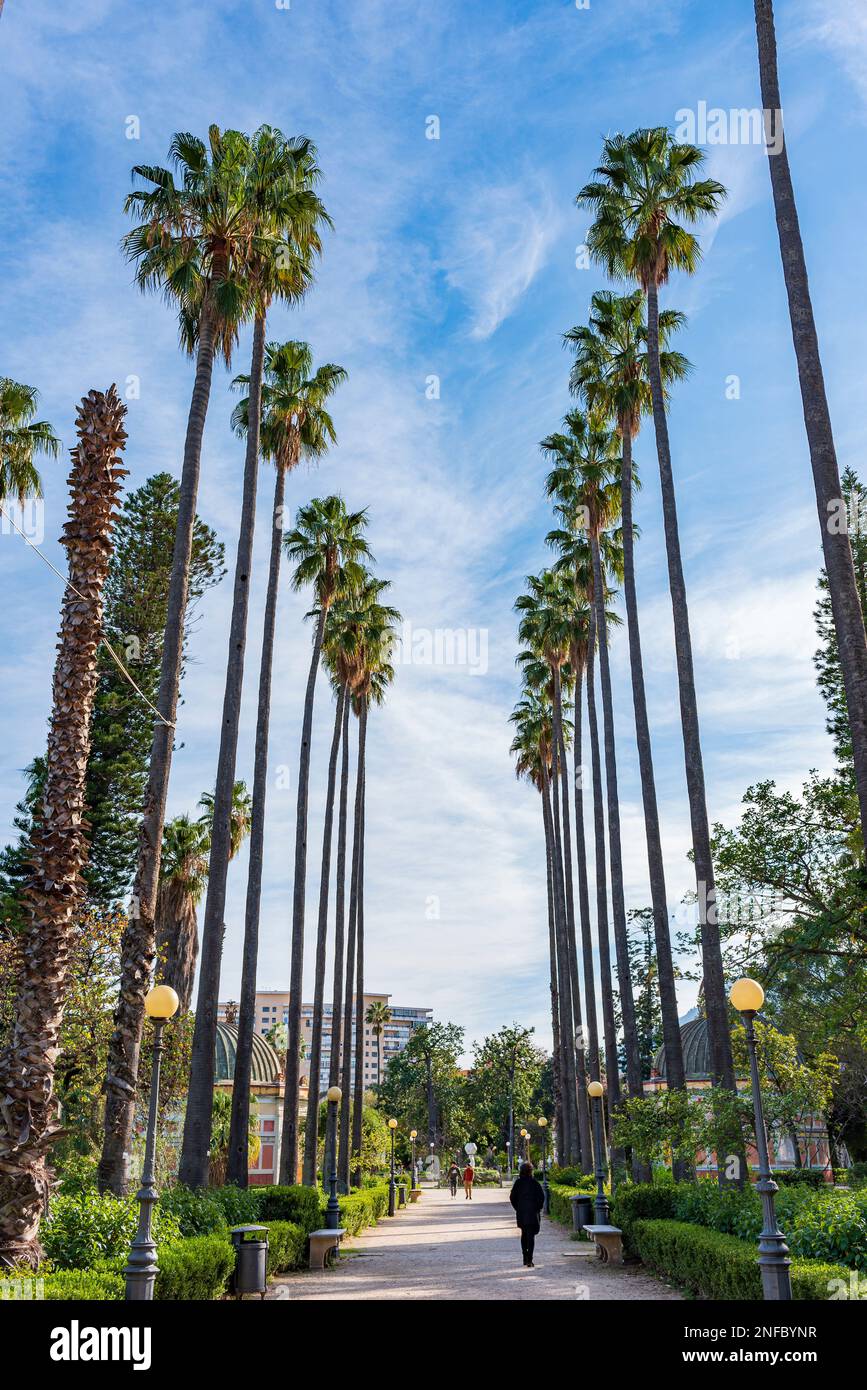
469,1175
528,1199
454,1175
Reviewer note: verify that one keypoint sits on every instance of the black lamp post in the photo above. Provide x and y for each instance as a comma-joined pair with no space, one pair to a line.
594,1090
392,1124
141,1269
332,1210
413,1135
543,1125
747,996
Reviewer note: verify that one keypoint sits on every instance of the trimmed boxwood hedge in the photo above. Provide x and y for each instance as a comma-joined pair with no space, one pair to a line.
196,1269
721,1266
360,1209
287,1246
65,1285
300,1205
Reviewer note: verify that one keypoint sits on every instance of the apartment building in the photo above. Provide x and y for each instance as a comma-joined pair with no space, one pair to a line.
272,1009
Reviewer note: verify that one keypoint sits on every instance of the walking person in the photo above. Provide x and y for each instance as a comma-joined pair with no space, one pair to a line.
454,1177
528,1199
469,1176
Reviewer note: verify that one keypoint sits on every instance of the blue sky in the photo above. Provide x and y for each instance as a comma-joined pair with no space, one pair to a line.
453,258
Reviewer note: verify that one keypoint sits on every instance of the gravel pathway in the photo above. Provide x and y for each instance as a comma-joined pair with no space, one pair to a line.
445,1248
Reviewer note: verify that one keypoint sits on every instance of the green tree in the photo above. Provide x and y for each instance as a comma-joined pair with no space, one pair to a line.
191,244
326,546
378,1015
295,425
645,196
505,1076
611,372
22,440
284,216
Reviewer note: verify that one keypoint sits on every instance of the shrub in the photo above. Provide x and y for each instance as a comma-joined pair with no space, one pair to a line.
196,1269
572,1178
721,1266
639,1202
78,1175
287,1246
487,1177
301,1205
800,1177
239,1205
83,1228
198,1213
858,1175
362,1208
63,1285
832,1229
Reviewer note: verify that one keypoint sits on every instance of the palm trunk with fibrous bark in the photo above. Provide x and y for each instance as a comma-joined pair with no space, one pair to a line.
54,892
339,928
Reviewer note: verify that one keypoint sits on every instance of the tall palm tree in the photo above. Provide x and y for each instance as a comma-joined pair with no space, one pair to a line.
285,215
610,371
586,481
374,675
53,895
378,1016
22,439
837,551
532,717
192,244
646,189
546,625
327,546
295,425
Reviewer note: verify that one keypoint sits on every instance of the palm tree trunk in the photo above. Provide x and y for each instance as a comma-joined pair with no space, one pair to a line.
608,1028
339,926
345,1158
615,852
358,1089
53,893
837,551
716,1004
583,889
567,1032
289,1141
582,1114
237,1163
665,966
193,1169
311,1133
555,1005
137,942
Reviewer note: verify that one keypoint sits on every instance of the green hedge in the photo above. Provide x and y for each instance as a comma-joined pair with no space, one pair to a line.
721,1266
287,1246
196,1269
299,1205
65,1285
84,1228
360,1209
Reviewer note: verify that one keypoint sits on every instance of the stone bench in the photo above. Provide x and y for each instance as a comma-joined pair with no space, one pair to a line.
609,1243
324,1246
414,1194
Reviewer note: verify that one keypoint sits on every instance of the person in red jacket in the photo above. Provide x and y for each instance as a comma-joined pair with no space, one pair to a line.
469,1175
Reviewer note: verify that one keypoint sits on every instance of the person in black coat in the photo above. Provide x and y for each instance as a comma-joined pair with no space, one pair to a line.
528,1199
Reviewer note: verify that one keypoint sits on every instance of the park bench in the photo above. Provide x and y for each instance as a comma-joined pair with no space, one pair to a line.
324,1246
414,1194
609,1243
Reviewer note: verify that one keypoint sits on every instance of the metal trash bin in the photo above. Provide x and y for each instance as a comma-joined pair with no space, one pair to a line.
251,1260
401,1196
582,1211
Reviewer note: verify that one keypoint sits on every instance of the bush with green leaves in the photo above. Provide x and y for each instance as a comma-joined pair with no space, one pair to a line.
800,1177
84,1228
198,1212
196,1269
571,1177
301,1205
360,1209
715,1265
63,1285
287,1246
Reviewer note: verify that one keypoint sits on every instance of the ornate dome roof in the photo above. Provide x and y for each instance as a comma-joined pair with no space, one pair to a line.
696,1052
265,1068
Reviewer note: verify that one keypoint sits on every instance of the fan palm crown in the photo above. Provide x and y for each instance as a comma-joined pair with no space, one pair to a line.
22,438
